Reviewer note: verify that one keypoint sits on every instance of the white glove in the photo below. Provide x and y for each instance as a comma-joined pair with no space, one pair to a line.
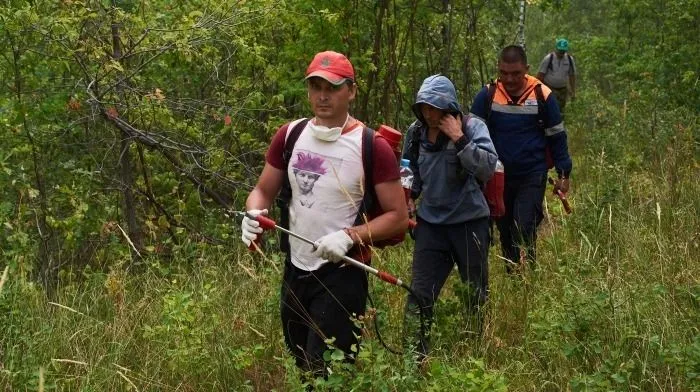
334,246
250,227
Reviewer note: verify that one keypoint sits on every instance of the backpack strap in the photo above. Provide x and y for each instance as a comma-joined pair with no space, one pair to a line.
285,194
490,94
413,149
551,58
541,107
571,63
369,199
289,142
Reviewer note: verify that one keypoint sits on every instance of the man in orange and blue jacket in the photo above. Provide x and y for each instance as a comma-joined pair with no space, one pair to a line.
522,134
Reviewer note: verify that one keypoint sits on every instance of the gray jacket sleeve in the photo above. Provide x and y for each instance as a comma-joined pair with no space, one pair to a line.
479,155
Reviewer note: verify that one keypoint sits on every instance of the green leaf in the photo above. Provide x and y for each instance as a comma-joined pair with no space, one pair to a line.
338,355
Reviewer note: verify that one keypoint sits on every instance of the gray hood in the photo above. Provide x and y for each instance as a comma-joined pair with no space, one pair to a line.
437,91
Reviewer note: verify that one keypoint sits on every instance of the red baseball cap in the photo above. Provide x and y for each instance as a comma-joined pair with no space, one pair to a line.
332,66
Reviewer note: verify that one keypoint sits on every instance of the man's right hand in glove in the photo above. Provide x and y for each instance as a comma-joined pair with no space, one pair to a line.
250,227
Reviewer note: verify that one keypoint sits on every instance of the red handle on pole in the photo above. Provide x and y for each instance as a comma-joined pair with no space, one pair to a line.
387,277
562,197
266,224
564,201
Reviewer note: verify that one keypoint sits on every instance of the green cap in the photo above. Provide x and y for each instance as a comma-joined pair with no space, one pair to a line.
563,45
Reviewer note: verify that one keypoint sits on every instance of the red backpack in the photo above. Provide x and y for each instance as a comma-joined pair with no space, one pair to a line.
493,191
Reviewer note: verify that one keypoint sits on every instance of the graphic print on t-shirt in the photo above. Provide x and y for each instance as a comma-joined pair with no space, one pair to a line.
308,169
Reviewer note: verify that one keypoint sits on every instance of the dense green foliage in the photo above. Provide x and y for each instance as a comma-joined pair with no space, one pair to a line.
125,126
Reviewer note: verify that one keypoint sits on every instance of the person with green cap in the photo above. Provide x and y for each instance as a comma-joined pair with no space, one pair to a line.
558,72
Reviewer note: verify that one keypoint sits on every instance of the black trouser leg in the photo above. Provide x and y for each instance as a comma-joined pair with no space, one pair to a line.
509,246
561,94
437,248
340,297
523,197
321,306
471,249
296,321
431,267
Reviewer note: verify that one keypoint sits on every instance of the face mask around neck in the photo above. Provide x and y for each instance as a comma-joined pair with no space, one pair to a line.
322,132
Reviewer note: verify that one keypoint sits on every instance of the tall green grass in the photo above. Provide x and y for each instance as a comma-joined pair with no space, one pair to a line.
612,305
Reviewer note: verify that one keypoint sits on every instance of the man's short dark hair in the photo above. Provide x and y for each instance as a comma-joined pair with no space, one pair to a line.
513,54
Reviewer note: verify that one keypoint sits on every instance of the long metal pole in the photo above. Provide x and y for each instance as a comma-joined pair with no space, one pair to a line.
385,276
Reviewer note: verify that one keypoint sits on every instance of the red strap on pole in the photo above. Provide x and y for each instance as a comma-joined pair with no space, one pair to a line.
387,277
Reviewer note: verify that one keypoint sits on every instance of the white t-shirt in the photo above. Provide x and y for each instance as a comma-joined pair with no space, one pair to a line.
327,180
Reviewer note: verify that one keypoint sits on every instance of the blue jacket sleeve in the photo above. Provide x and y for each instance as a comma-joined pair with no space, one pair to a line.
556,138
479,155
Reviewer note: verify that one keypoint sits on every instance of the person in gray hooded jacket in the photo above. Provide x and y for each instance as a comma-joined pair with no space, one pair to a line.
451,156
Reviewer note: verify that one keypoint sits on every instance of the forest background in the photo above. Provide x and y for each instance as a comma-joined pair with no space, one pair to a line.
126,126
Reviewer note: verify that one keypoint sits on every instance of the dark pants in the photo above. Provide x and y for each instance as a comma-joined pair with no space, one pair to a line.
437,249
319,305
561,94
523,196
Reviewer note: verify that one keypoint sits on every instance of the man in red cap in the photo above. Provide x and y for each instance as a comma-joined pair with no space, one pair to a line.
321,296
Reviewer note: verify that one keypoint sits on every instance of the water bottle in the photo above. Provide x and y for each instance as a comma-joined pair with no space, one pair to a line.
406,178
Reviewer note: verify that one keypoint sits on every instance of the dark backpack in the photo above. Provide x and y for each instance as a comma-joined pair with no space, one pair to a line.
541,113
369,207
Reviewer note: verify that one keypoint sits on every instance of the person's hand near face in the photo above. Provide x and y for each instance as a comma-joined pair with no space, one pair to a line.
451,126
448,124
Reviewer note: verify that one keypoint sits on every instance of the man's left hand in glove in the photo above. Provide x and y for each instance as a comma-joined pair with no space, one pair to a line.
333,246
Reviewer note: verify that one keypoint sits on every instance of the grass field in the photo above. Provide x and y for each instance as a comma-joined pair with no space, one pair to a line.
613,304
